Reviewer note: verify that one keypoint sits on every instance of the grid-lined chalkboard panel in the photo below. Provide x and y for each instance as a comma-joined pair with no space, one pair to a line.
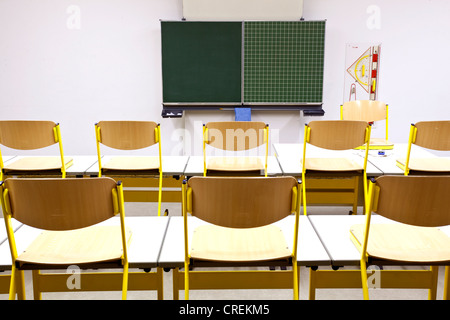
283,61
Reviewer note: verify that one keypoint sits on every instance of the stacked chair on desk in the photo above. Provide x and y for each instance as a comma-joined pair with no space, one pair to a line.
240,212
335,135
235,136
419,204
32,135
130,135
434,135
370,111
66,209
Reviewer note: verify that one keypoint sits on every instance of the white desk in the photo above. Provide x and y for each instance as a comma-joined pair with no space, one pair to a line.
310,251
79,165
289,156
388,163
143,251
334,232
194,166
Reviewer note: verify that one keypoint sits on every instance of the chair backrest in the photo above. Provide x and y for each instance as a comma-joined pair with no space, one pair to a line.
241,202
366,110
337,134
432,135
235,135
60,204
416,200
27,134
127,135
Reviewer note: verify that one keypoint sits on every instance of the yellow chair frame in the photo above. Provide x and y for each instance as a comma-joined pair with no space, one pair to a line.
235,125
30,135
387,196
252,185
427,134
136,140
370,111
328,142
80,203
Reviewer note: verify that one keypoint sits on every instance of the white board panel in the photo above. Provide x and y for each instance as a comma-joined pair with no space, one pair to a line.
232,10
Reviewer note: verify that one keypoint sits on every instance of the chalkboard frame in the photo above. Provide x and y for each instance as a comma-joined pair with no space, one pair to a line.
314,107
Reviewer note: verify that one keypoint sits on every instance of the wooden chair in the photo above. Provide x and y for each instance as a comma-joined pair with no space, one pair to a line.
419,204
235,136
130,135
31,135
334,135
433,135
370,111
66,209
240,212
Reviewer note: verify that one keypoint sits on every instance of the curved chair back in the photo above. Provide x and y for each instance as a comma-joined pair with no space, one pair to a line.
241,202
60,204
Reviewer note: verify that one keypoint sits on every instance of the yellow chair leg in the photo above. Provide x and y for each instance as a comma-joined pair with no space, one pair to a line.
17,284
186,281
125,281
365,286
12,284
160,194
433,289
446,284
296,281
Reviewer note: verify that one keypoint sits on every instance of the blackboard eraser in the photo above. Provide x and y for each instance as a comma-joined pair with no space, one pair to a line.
313,112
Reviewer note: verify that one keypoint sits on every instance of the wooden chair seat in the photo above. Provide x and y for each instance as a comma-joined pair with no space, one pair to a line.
132,163
438,164
235,164
332,164
216,243
62,248
401,242
37,164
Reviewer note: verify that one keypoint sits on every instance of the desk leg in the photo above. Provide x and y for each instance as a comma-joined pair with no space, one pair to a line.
312,284
447,283
176,283
36,287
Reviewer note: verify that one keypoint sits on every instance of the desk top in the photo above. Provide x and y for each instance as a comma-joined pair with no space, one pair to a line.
310,250
334,231
78,168
87,165
387,163
143,251
289,156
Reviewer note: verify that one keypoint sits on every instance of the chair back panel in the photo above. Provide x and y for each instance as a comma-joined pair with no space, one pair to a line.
235,135
337,134
416,200
127,135
61,204
241,202
366,110
27,135
433,135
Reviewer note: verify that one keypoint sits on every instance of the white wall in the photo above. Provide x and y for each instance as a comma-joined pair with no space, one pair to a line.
105,64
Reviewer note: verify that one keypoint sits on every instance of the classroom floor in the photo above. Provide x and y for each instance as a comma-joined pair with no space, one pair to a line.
133,209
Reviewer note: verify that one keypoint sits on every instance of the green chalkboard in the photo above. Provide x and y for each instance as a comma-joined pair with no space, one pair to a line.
243,63
201,62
